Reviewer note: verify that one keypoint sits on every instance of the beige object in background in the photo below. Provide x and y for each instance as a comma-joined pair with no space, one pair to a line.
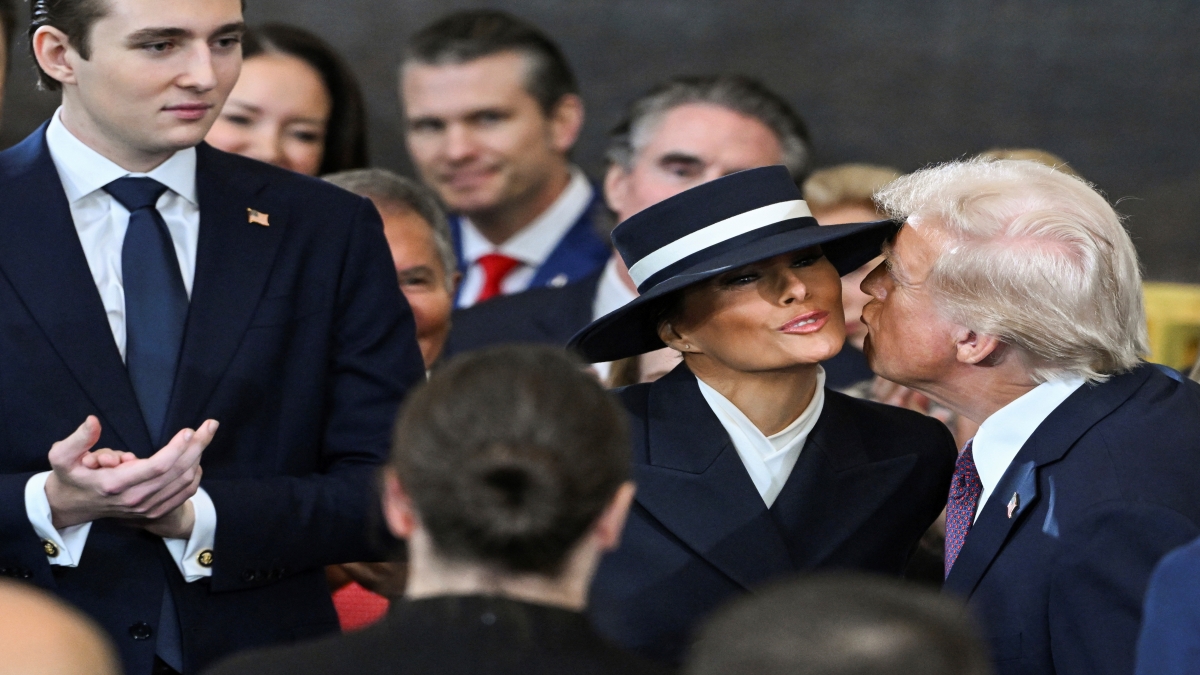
41,635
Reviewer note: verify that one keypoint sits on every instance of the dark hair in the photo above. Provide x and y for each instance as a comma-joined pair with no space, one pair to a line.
510,455
73,17
346,133
838,624
739,93
466,36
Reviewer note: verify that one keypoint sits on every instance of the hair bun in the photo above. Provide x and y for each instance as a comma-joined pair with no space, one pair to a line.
518,496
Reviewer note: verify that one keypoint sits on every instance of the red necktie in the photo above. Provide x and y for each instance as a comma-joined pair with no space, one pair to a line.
495,268
965,488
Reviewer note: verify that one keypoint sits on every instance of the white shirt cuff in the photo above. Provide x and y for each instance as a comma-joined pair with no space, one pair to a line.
66,544
194,555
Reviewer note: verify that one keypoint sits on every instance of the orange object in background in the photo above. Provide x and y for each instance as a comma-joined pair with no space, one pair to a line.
357,607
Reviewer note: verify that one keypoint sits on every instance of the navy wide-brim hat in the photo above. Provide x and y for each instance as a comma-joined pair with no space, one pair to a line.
712,228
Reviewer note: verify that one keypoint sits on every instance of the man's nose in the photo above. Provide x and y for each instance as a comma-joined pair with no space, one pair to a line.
460,143
200,74
872,284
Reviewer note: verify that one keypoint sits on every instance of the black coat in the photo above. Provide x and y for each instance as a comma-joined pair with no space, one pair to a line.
870,480
298,341
449,635
1107,485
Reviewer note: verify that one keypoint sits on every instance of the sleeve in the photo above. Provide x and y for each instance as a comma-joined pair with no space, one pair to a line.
1169,643
63,547
1099,581
281,524
194,555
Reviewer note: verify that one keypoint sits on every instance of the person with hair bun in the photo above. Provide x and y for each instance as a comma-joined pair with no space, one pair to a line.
509,478
296,105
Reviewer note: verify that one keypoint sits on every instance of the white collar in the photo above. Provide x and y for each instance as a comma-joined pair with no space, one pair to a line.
537,240
84,171
612,293
1002,435
768,459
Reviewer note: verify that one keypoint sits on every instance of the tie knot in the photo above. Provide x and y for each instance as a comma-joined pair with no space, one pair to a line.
136,193
497,265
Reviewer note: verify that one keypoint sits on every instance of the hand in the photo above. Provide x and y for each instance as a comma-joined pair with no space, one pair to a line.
87,486
175,525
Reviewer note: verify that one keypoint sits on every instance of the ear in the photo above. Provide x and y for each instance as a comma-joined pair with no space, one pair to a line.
979,349
616,188
397,506
672,338
611,523
55,54
566,121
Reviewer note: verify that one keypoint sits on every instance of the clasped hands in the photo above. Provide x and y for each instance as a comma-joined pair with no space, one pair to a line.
150,493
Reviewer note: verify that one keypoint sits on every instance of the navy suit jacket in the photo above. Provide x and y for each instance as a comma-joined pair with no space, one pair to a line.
297,340
581,251
547,315
1106,486
870,480
1170,636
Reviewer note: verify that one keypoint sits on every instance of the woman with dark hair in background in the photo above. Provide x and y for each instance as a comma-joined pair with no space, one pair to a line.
296,105
509,477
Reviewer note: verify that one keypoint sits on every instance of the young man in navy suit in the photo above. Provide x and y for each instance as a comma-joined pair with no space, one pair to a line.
1012,295
684,132
151,287
492,111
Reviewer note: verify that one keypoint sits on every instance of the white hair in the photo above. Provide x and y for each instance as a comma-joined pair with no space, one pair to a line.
1035,257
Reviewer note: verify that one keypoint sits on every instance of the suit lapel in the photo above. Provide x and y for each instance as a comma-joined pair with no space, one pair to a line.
571,311
696,486
581,250
43,260
835,488
1049,443
233,262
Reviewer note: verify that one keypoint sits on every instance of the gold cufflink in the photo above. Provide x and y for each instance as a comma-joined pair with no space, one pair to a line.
205,558
50,548
259,218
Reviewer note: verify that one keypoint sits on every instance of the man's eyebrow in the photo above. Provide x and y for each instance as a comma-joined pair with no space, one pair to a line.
151,34
681,157
238,27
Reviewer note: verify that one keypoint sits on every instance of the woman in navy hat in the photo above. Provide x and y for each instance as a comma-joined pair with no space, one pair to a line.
747,468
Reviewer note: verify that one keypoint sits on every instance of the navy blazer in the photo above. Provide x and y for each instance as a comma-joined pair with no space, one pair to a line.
581,251
1105,487
297,340
1170,637
870,480
550,316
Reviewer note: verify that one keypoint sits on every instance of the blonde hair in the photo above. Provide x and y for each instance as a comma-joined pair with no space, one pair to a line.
846,184
1033,154
1035,257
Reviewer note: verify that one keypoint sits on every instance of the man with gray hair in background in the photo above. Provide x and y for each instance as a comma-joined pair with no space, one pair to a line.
684,132
1012,295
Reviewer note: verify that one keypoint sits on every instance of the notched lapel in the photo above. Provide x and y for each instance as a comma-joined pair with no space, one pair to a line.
835,487
233,263
42,258
696,486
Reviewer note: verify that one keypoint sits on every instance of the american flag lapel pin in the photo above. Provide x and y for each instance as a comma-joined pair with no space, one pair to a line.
1014,504
259,218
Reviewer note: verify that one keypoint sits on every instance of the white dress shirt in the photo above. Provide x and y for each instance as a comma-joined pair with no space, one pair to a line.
611,294
768,459
1002,435
531,246
101,222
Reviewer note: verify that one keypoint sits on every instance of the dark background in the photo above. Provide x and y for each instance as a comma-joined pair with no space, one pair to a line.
1113,86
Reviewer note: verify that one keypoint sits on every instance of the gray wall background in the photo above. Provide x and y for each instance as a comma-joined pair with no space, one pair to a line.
1113,86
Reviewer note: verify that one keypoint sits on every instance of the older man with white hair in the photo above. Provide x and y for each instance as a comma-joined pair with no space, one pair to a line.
1012,295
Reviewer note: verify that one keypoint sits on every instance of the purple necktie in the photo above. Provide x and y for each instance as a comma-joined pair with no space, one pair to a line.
965,489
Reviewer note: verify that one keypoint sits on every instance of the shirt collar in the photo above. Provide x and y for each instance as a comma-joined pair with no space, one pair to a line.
612,293
1002,435
733,419
536,241
84,171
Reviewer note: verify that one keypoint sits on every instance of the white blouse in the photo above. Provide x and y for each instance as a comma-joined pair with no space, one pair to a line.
768,459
